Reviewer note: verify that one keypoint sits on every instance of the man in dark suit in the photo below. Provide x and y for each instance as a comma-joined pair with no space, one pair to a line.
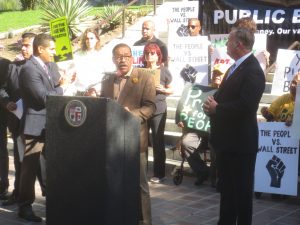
36,83
4,64
234,131
136,92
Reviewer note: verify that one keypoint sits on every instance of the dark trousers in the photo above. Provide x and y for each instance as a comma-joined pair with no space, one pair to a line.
3,151
157,124
29,170
236,172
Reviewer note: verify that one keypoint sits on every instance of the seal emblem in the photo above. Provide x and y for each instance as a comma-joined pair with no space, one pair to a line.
75,113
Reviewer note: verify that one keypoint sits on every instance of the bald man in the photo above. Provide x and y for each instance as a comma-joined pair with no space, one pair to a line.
194,27
148,29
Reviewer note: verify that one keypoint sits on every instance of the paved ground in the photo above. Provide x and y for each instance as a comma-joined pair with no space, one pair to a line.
185,204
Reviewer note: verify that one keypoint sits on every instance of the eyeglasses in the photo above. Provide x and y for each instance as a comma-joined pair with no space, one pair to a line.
192,26
152,53
123,57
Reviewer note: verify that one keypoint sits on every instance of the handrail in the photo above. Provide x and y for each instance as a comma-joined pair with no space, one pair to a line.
292,46
97,26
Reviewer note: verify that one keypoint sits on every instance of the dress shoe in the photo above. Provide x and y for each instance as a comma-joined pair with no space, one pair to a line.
3,193
10,200
28,214
201,178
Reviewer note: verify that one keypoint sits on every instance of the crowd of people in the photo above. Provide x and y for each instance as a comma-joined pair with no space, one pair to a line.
233,139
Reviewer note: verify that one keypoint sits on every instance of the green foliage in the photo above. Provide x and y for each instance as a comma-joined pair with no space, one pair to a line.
108,12
144,11
28,4
19,19
76,12
10,5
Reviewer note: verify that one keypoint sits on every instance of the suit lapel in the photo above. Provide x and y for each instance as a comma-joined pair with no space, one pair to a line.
45,76
128,86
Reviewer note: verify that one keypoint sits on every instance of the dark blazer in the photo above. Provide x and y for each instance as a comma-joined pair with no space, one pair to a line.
4,65
234,125
35,86
138,95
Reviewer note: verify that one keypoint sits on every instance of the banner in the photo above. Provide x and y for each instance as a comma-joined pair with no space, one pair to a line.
276,169
189,109
279,20
60,31
188,61
287,65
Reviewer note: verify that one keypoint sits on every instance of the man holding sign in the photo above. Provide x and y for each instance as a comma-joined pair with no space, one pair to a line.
234,130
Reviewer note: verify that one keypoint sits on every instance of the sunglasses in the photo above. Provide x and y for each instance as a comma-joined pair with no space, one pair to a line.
192,26
152,53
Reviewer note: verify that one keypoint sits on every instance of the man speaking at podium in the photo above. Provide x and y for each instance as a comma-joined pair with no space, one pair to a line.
136,92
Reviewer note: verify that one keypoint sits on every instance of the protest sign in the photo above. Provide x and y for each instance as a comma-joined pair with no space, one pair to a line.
220,56
295,129
276,169
137,54
60,31
287,65
188,61
177,14
189,109
153,72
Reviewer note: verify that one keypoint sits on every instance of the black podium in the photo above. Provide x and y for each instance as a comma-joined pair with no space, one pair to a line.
92,151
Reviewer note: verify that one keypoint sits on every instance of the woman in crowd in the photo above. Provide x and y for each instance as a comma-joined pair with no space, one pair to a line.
88,69
152,58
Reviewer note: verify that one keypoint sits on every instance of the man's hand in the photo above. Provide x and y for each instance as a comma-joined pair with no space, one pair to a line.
11,106
209,106
180,124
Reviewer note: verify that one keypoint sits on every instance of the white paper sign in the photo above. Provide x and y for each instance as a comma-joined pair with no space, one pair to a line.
220,56
296,117
287,65
276,169
188,57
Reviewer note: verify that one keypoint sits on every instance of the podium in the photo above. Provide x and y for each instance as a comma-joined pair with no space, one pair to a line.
92,152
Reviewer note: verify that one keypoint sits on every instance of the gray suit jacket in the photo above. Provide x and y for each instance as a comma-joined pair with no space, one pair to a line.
35,86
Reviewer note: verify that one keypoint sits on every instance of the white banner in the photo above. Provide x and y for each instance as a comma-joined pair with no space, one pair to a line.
276,169
188,58
287,65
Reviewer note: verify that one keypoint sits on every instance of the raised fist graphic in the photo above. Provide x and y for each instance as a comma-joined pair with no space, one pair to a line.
276,169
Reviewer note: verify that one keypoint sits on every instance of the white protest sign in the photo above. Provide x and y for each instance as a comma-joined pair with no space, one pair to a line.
179,12
296,117
276,169
287,65
220,56
188,59
137,54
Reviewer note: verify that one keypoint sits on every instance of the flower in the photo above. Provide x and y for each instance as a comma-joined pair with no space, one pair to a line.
135,80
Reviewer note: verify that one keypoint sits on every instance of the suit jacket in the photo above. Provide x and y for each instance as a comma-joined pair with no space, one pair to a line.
4,65
234,125
35,85
138,95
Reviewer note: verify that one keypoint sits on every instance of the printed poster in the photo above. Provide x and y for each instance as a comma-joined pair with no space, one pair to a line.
188,61
276,169
60,31
189,109
287,65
